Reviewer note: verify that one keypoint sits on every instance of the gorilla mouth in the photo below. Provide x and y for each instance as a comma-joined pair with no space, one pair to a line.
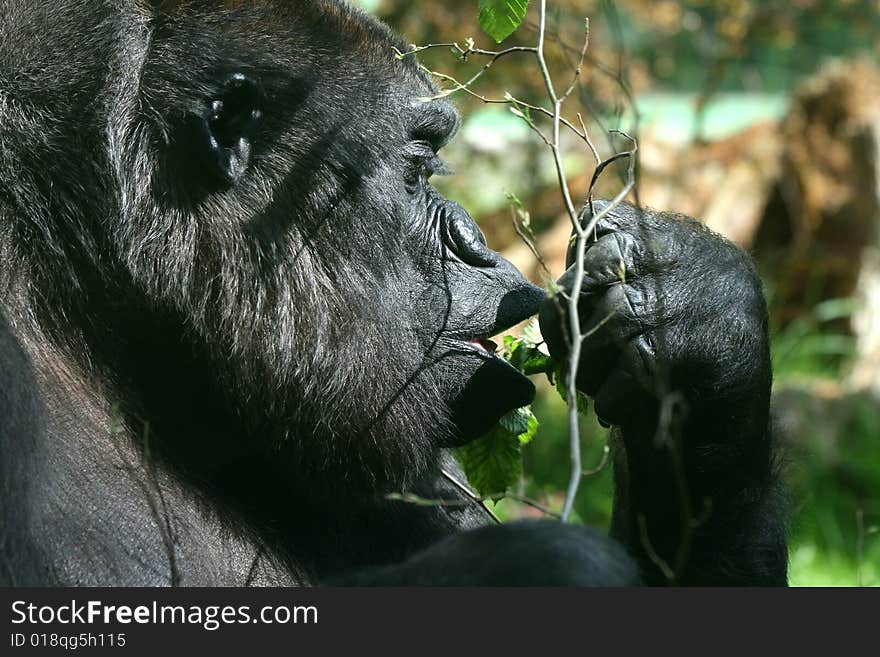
495,388
484,344
487,350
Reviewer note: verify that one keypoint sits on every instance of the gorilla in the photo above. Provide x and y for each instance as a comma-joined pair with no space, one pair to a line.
235,316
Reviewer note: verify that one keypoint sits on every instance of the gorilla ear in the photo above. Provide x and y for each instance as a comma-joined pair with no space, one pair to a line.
229,123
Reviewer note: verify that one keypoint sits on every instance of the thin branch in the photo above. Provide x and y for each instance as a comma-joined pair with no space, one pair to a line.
627,188
527,240
529,502
412,498
577,70
655,558
160,516
606,451
573,316
587,139
507,100
464,53
471,494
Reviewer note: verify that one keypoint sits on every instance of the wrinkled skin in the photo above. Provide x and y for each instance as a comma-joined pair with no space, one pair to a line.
234,315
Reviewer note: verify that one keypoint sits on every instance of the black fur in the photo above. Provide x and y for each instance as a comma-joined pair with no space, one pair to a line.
234,314
677,359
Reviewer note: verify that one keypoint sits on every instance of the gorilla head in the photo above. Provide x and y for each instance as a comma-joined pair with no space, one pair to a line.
222,216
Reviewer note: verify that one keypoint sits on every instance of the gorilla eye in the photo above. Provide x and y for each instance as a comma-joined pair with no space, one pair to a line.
422,163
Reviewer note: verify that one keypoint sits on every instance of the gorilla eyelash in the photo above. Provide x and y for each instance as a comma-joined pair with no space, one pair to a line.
426,160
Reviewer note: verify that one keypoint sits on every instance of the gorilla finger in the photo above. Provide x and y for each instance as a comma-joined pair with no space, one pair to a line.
608,260
607,321
618,397
613,316
607,336
553,320
639,359
593,369
623,217
629,394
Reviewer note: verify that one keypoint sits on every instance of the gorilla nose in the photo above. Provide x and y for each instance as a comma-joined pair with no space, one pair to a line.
465,238
491,293
518,305
520,298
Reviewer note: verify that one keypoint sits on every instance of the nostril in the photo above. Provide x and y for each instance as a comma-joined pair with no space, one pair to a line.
466,239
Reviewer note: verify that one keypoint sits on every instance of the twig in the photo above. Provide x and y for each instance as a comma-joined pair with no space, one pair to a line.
471,494
528,241
606,451
507,100
587,139
159,512
532,503
496,497
577,70
655,558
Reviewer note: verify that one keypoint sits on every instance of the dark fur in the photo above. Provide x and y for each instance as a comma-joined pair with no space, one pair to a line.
213,374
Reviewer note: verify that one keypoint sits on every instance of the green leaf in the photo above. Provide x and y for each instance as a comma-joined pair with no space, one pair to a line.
492,463
583,402
523,352
500,18
531,426
531,333
537,362
515,422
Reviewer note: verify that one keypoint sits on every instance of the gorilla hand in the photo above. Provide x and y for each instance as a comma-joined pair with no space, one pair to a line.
676,355
672,313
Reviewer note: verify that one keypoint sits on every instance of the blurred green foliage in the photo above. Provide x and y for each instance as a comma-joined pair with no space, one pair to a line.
833,480
832,456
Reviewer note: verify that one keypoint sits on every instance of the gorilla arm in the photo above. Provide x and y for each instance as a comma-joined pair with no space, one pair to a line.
677,360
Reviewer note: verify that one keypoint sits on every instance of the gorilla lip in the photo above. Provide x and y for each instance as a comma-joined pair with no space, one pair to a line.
484,344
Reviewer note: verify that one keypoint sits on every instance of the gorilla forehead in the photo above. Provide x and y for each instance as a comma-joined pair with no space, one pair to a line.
76,47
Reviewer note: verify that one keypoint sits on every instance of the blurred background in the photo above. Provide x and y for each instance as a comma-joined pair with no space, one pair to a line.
761,118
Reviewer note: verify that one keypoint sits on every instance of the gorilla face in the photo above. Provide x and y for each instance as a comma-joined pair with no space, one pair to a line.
273,200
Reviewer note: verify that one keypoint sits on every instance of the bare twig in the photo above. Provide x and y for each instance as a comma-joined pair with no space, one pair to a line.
532,503
464,488
655,558
606,451
581,235
496,497
150,487
527,240
577,70
587,139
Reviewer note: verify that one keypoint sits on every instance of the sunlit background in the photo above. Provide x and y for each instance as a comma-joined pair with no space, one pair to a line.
762,118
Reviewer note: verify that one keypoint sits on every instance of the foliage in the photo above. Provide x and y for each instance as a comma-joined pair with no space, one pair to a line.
833,483
814,344
493,462
500,18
